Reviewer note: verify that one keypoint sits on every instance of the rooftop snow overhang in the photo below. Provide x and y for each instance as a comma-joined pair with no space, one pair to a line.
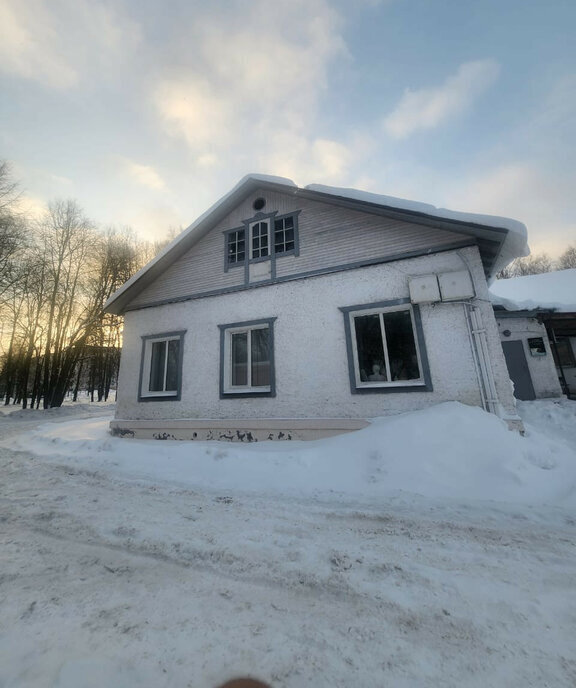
499,240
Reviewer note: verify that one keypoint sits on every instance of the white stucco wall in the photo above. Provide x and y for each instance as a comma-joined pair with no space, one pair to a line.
542,369
312,379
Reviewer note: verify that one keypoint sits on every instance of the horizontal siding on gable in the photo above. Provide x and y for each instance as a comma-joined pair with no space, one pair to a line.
333,236
329,236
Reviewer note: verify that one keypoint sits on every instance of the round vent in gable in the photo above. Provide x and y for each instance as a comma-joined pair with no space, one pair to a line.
259,203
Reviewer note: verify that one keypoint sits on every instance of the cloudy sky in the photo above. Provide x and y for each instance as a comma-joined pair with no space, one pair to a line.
147,112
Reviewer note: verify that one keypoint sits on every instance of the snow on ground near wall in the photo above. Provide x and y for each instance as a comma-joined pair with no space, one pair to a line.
556,290
369,559
450,450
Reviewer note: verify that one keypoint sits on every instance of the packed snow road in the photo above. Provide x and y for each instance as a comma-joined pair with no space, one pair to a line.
112,579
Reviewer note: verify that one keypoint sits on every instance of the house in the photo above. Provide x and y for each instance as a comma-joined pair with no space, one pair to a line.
297,313
536,316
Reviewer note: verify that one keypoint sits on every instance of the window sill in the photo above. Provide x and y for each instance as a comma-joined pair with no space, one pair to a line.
392,387
238,394
160,397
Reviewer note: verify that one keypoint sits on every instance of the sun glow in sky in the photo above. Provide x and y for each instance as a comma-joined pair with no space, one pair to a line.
148,112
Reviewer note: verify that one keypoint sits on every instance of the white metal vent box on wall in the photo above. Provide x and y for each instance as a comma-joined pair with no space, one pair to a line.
424,289
456,286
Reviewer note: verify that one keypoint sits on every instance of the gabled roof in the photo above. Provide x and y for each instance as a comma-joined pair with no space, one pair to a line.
500,240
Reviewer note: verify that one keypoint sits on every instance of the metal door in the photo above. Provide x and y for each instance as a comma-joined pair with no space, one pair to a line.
518,370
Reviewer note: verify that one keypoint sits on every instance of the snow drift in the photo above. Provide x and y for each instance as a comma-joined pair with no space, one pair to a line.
447,451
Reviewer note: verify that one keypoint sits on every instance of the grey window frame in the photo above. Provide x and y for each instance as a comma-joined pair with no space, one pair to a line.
296,250
144,394
228,238
270,219
225,332
423,384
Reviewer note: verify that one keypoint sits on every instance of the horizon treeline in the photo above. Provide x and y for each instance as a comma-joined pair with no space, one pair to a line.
56,273
538,263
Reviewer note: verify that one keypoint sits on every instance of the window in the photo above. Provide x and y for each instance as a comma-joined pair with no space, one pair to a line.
260,248
236,251
284,234
161,371
262,238
247,361
536,346
386,348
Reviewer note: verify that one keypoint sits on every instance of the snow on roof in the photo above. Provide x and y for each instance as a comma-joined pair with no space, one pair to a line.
550,290
515,244
425,208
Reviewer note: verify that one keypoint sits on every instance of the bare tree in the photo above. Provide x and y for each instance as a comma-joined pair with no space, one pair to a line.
568,259
120,256
55,276
531,265
68,240
12,227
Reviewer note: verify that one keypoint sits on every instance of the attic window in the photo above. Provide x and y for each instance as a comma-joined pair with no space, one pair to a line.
236,247
259,203
284,234
259,235
263,237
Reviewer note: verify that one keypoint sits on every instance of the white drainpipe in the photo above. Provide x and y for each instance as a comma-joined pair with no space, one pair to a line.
488,391
473,347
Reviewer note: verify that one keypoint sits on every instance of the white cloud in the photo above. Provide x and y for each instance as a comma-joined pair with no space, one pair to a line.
249,89
308,160
61,42
522,191
31,206
192,109
145,175
152,222
430,107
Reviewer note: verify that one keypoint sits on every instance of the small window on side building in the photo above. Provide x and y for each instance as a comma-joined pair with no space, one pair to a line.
536,346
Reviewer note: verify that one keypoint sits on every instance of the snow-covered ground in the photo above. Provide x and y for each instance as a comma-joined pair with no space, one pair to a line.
431,549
